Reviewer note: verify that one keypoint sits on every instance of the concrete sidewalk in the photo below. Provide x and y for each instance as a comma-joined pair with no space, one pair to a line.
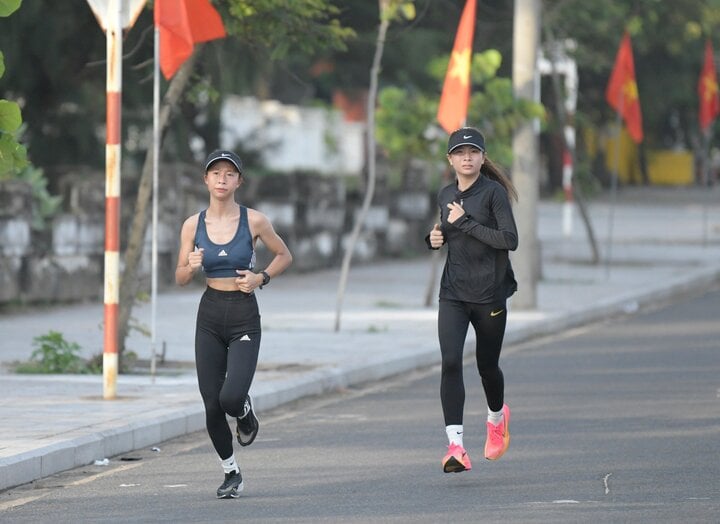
664,242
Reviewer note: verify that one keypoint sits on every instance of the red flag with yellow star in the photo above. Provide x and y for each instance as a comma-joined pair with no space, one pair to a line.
622,91
708,90
455,96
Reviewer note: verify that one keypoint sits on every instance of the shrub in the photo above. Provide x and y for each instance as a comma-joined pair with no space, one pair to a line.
54,354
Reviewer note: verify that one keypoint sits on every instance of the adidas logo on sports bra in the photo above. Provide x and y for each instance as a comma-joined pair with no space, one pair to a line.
222,253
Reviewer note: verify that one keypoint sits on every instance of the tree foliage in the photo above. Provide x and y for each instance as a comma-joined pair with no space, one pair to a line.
13,155
406,120
57,71
304,50
279,26
668,40
390,10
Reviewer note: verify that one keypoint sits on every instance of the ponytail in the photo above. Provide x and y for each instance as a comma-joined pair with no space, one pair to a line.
492,171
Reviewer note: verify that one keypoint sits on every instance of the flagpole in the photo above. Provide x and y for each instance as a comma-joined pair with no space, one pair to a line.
707,135
613,189
708,111
155,163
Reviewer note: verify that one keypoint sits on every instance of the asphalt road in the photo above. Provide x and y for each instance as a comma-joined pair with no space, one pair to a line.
614,422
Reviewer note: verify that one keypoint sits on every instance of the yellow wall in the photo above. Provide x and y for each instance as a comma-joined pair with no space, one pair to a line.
626,164
665,167
673,168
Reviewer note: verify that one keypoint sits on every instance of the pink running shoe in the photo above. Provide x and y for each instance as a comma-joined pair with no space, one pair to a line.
498,437
456,460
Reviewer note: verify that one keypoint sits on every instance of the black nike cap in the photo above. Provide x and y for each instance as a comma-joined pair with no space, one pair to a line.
222,154
466,136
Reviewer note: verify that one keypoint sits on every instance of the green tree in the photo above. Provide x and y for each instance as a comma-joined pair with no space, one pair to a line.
63,101
389,10
13,155
410,45
54,46
406,119
668,40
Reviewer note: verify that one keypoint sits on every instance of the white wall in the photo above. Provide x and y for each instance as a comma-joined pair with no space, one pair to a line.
292,138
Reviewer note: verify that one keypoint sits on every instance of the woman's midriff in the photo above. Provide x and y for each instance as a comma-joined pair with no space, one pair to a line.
222,284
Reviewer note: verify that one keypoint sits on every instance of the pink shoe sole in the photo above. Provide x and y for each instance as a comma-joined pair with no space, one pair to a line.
456,460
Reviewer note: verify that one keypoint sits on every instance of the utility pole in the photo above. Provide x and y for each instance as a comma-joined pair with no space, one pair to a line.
525,78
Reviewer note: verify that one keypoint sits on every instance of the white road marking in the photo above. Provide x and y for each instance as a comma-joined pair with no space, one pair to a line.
26,500
606,482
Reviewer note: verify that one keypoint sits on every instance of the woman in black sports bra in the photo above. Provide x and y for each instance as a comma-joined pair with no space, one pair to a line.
477,224
220,241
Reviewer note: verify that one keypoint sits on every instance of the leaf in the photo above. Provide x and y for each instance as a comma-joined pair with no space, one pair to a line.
12,155
408,10
10,118
2,64
485,65
8,7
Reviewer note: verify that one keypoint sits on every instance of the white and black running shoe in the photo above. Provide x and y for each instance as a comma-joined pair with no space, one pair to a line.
247,424
231,488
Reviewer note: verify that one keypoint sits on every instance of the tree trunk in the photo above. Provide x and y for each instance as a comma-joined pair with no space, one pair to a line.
129,283
370,145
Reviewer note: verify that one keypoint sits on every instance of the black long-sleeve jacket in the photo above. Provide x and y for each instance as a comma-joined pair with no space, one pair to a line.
478,267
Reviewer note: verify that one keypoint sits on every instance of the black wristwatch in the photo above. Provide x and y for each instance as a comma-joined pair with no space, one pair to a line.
266,279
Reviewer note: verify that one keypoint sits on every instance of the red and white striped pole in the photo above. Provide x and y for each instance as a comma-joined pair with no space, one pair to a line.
567,179
113,35
113,16
567,172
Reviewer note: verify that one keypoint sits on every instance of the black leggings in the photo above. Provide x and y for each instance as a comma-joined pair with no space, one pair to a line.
227,342
488,320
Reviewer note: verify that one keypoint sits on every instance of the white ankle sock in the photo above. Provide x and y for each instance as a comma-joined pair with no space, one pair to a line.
494,417
229,465
455,434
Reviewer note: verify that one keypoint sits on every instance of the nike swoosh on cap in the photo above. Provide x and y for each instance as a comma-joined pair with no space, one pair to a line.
466,137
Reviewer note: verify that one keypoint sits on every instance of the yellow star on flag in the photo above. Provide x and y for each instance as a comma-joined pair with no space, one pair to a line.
711,87
622,90
460,66
455,96
630,91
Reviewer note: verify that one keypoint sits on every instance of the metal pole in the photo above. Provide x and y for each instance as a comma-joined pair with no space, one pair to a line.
613,189
567,213
707,137
569,150
156,162
113,35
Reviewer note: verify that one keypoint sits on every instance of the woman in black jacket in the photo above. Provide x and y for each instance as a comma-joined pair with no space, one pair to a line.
477,224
